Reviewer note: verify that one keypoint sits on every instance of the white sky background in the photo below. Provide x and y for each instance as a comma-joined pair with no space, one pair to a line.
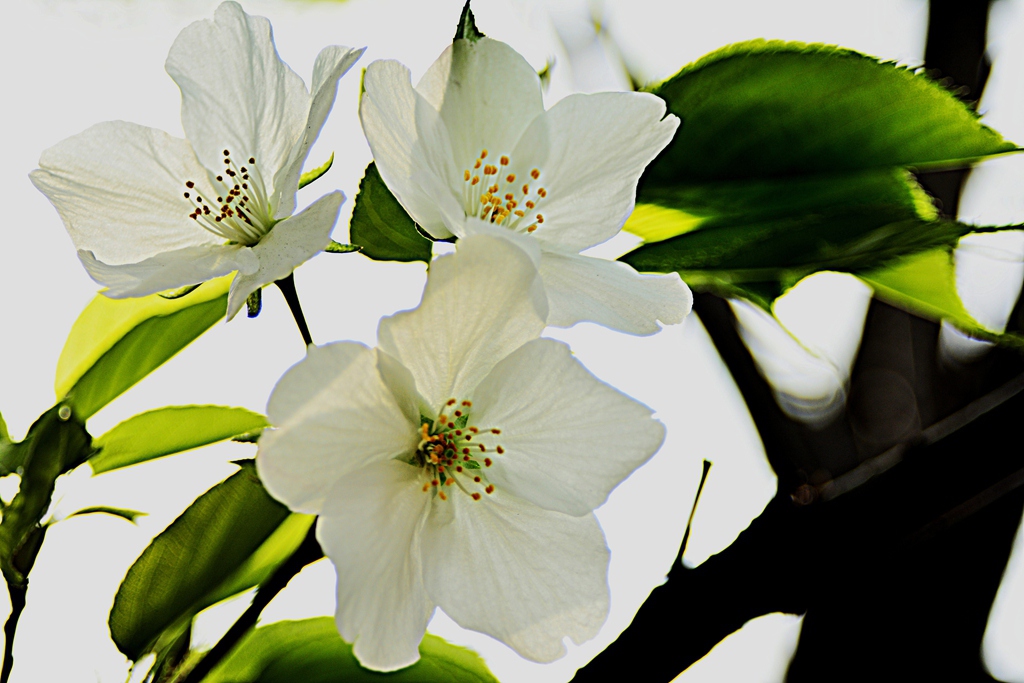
70,64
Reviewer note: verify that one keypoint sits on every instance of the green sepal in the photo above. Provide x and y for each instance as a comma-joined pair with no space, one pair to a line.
179,292
381,227
467,30
470,464
339,248
461,421
314,174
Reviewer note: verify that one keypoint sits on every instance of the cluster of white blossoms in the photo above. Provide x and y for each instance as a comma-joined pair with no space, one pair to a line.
458,464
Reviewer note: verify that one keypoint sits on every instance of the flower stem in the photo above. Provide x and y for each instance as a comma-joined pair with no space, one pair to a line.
287,287
17,605
693,510
308,552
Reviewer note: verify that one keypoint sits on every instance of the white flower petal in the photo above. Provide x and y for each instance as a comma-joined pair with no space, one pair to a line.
524,575
119,188
568,437
332,63
591,150
411,148
237,94
479,305
611,293
371,531
403,386
474,226
291,243
169,270
487,95
332,414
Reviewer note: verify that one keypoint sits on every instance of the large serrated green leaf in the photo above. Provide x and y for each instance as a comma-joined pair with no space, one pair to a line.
311,651
765,109
790,159
381,227
169,430
186,567
116,342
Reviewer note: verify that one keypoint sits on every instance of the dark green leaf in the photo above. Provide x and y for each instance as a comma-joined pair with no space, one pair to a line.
254,303
470,464
339,248
467,26
789,160
311,651
309,176
461,421
767,109
381,227
123,513
230,539
165,431
116,342
56,443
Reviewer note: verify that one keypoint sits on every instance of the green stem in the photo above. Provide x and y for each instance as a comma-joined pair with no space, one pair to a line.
287,287
308,552
17,593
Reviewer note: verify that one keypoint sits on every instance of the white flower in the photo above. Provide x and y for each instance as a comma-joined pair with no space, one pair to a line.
471,148
150,212
458,465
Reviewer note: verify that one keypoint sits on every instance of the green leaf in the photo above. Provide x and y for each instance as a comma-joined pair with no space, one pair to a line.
116,342
123,513
467,26
218,545
311,651
314,174
339,248
165,431
179,292
764,109
790,160
381,227
56,443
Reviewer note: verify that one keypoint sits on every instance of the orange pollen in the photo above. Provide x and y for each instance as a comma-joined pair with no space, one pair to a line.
500,450
442,418
477,164
532,228
483,154
504,161
488,462
474,430
520,213
476,179
530,205
449,482
526,189
450,402
476,496
490,488
434,482
426,487
540,218
542,192
535,173
511,177
443,497
466,174
483,448
468,404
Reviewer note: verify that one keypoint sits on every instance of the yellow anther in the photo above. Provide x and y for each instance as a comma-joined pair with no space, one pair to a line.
477,164
466,174
492,189
504,161
535,174
519,213
485,198
511,177
476,179
542,192
540,219
530,205
483,154
509,196
532,228
526,189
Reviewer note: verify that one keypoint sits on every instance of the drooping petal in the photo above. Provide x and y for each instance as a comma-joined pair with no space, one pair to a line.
411,148
479,305
332,63
524,575
237,94
371,530
332,414
169,270
119,188
611,293
291,243
474,226
591,150
568,438
487,95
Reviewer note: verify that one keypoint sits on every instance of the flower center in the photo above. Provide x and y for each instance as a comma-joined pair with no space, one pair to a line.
493,194
242,213
452,452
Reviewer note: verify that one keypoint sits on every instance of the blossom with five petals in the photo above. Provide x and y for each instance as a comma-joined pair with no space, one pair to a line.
458,465
471,149
150,212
